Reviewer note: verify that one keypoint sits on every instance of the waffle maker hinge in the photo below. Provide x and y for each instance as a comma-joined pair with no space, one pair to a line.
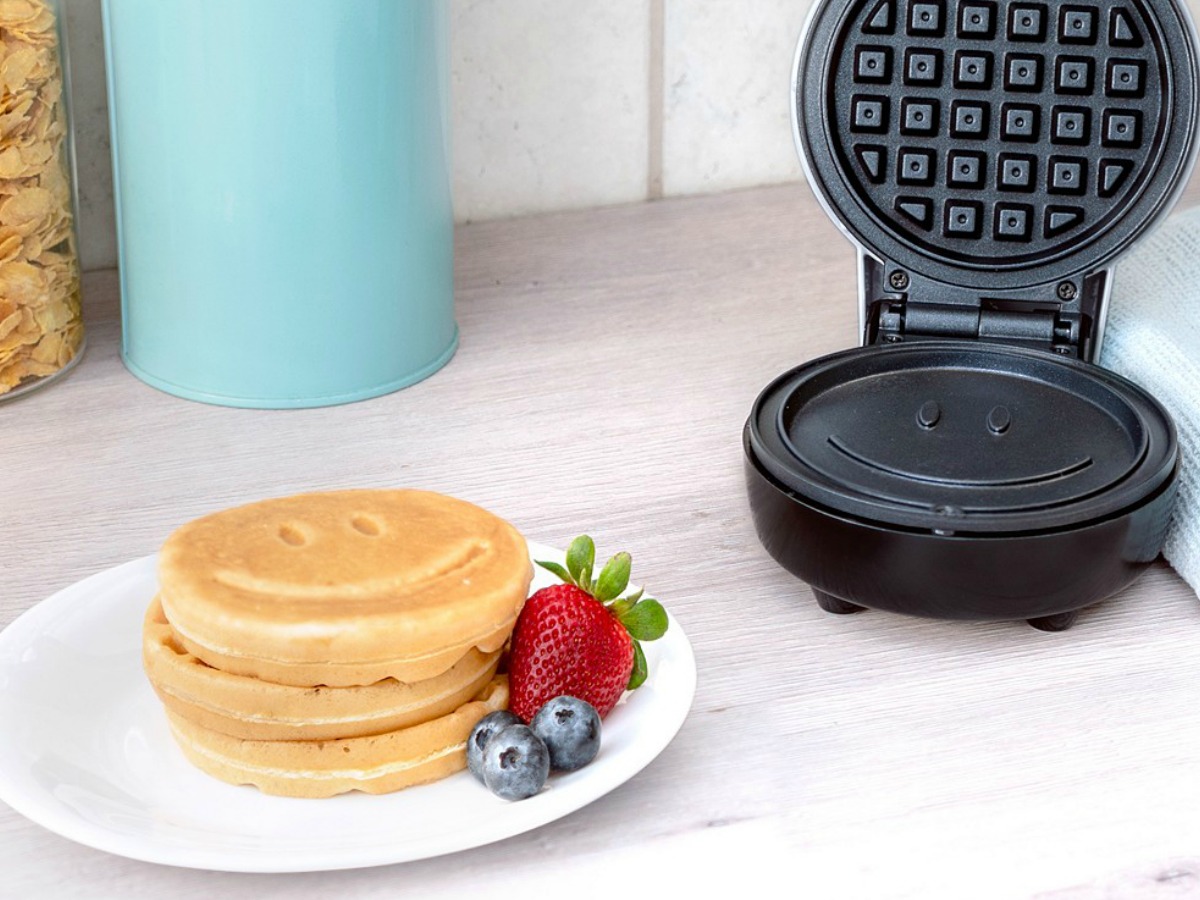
1065,318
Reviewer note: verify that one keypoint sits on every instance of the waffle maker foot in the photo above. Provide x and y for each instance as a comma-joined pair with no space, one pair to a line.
835,605
1061,622
839,607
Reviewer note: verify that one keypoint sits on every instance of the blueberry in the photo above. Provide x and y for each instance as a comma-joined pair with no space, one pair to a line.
516,763
571,729
483,732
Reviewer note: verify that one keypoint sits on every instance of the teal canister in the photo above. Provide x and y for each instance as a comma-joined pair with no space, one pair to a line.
282,187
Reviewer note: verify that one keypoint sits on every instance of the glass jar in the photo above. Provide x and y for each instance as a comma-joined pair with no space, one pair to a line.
41,326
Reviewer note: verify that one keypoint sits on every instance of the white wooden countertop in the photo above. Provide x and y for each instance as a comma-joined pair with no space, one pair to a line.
608,362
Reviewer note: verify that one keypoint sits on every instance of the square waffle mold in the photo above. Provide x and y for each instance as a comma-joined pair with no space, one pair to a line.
991,160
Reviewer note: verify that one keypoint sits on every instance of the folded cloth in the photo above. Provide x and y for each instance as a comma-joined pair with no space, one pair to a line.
1153,339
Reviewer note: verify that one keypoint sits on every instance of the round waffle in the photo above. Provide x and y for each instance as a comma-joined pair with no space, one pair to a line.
375,764
254,709
344,588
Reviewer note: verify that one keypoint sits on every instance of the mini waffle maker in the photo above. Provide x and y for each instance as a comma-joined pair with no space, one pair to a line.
990,159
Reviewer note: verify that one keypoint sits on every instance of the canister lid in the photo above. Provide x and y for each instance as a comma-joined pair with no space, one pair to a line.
963,437
996,144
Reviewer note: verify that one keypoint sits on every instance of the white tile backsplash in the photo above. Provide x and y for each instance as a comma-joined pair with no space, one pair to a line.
552,106
89,109
726,70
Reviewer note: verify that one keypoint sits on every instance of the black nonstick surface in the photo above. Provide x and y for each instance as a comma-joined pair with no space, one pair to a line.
984,138
962,437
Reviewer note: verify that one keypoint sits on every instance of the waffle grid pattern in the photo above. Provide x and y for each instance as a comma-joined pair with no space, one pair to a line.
997,128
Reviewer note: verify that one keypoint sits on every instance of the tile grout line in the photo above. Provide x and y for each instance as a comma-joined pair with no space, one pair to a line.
654,169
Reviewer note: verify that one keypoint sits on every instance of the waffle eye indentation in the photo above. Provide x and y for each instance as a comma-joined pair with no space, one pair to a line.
977,21
1023,73
920,116
1027,22
873,65
966,169
1071,125
923,68
1126,78
1021,122
926,19
963,219
973,70
870,114
916,166
1013,222
1016,172
969,119
1122,128
1074,75
1068,175
1077,25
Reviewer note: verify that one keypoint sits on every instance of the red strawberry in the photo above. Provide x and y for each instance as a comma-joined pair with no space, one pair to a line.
581,638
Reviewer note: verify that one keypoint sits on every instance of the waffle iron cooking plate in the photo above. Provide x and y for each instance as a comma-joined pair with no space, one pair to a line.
990,159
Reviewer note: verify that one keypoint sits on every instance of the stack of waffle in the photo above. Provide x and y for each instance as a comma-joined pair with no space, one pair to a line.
324,643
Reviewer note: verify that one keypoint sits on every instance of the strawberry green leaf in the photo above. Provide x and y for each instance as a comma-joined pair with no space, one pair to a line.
581,556
620,608
638,676
647,621
614,577
556,569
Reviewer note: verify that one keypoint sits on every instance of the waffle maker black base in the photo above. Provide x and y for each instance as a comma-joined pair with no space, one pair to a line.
991,161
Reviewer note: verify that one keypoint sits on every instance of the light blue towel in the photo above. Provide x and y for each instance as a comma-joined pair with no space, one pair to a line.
1153,339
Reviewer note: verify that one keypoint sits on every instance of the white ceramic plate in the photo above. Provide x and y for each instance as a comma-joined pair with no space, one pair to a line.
85,752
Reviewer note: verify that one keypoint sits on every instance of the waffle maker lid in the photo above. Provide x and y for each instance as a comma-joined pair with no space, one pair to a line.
996,145
990,160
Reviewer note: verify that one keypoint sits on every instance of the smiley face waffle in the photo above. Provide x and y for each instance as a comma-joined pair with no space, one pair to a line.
373,764
288,624
253,709
344,588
